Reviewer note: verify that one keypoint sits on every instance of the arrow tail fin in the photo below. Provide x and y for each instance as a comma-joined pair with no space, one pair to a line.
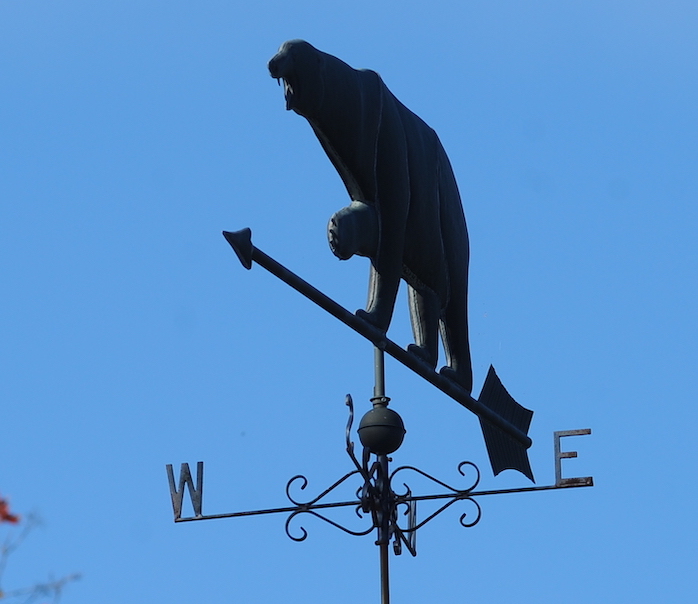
505,453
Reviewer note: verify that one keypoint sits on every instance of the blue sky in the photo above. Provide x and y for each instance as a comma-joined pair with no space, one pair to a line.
133,133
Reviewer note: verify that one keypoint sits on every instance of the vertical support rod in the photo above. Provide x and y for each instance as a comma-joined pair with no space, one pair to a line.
384,516
379,370
382,482
385,579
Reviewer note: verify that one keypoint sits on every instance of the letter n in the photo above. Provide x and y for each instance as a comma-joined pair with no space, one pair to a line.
185,478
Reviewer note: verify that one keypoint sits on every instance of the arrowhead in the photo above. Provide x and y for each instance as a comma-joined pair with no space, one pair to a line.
241,242
505,453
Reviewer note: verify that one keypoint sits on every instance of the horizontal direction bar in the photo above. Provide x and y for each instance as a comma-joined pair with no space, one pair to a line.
573,483
287,510
569,483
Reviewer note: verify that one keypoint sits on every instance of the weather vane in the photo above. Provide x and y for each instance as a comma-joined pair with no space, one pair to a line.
406,216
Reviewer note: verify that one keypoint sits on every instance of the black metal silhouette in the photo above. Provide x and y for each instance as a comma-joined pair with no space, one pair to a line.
405,212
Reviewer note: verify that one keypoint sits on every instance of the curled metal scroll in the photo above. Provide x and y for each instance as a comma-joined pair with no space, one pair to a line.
304,533
312,502
443,484
455,495
362,468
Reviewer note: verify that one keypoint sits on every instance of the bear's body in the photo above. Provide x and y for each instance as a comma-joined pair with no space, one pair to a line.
406,213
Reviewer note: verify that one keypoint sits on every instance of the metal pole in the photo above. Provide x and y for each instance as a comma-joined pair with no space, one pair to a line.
384,527
379,369
385,579
383,480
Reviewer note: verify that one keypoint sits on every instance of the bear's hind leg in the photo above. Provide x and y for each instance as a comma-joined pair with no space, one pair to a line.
424,316
457,348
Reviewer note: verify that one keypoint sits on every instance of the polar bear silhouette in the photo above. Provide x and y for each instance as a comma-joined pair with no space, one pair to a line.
405,213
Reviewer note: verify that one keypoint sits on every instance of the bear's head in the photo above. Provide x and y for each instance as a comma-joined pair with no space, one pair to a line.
354,230
300,66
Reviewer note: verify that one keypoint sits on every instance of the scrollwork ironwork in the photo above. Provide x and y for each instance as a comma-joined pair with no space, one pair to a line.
304,536
455,495
362,468
477,518
311,506
321,495
440,482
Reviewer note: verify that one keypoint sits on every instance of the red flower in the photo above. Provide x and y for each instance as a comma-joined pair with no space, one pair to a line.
5,514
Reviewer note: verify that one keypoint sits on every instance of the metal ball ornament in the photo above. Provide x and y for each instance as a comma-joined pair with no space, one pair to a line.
381,430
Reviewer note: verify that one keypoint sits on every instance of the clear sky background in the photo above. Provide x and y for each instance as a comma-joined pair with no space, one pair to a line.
133,132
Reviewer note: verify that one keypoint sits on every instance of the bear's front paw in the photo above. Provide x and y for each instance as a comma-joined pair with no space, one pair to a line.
463,379
423,355
371,318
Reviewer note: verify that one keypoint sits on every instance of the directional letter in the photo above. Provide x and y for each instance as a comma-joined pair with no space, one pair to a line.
560,455
185,478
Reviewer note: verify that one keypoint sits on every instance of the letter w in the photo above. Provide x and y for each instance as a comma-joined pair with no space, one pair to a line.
185,478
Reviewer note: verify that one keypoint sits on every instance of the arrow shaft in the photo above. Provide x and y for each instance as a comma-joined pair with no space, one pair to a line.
379,339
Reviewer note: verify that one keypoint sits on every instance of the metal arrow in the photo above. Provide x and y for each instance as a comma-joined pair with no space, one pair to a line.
504,422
